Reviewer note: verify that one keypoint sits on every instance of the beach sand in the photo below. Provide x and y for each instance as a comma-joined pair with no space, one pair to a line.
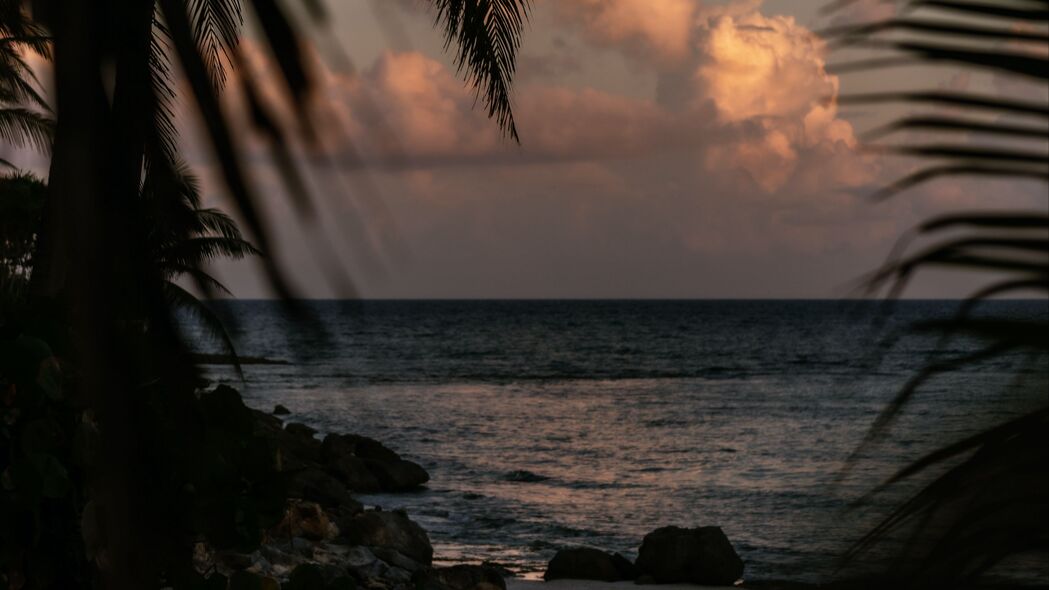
517,584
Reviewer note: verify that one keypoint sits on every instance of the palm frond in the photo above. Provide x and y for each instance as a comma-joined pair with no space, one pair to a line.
37,42
991,499
23,127
216,26
488,34
201,250
181,299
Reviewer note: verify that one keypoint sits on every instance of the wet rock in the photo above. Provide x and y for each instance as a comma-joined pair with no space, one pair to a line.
627,569
367,465
397,559
341,445
305,519
397,476
500,568
583,563
459,577
354,472
295,451
398,575
375,570
312,576
358,557
300,430
281,558
391,530
524,476
316,485
700,555
252,581
279,410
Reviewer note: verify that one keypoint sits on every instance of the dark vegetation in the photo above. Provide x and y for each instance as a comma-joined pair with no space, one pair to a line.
985,497
112,463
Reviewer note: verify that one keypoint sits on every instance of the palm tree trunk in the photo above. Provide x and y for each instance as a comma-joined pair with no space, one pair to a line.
86,252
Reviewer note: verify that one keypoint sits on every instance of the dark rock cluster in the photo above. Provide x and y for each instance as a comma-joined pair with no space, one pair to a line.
326,540
667,555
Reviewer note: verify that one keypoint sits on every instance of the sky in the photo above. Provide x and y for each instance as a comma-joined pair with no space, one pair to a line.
669,149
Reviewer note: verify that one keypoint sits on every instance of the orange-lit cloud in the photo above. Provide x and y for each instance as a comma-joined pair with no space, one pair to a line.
663,28
718,169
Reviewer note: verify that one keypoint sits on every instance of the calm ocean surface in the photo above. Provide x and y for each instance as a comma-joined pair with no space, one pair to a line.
546,424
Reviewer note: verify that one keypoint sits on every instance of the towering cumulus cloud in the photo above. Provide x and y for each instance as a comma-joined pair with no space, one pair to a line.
765,76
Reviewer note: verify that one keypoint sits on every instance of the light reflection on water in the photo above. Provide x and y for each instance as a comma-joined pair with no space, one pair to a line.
523,465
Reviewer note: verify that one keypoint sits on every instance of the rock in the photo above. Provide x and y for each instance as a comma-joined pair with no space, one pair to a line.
295,451
373,571
266,420
701,555
316,485
397,559
279,410
311,576
459,577
500,568
398,575
302,547
644,579
251,581
583,563
358,557
366,465
305,519
356,445
627,569
354,472
278,557
300,430
391,530
397,476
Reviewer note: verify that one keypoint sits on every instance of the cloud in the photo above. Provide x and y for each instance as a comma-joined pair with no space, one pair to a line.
660,29
734,177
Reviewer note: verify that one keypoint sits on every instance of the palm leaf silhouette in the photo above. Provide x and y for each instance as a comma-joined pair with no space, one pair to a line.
990,501
93,250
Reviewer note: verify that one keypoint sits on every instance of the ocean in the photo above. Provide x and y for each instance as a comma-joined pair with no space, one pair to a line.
548,424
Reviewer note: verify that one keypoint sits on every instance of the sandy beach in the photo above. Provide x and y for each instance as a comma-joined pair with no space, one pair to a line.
513,584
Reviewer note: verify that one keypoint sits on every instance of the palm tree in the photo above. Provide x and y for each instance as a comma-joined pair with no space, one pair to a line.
989,499
93,256
24,114
21,200
184,237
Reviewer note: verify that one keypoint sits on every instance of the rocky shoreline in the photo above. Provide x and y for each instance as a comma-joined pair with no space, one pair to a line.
327,540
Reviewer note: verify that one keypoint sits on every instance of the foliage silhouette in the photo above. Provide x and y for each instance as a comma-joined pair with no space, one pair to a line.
163,465
988,499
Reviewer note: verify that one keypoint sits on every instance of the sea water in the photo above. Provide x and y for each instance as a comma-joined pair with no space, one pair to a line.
548,424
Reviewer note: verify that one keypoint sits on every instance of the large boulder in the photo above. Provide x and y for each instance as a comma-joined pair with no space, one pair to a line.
340,445
397,476
701,556
311,576
316,485
585,563
296,449
366,465
459,577
354,472
390,530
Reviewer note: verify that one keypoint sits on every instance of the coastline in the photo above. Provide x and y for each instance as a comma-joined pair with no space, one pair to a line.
521,584
328,536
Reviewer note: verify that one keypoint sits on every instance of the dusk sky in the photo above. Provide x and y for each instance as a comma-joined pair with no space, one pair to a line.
669,148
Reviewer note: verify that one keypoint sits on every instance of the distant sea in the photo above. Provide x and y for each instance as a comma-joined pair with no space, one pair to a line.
548,424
